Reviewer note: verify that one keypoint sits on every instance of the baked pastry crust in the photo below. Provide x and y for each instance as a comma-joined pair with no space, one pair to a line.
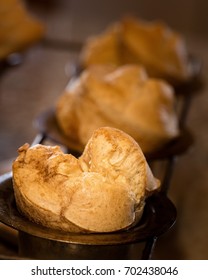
122,97
102,191
156,46
18,29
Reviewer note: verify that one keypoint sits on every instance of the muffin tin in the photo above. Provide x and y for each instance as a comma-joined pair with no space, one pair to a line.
159,216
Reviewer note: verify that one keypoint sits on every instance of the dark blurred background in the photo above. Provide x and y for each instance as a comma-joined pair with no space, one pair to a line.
77,19
33,86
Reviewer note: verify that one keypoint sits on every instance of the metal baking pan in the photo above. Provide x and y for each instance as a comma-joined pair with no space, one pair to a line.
38,242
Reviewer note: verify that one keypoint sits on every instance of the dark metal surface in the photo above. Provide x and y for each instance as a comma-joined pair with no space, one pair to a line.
42,248
195,83
12,60
159,215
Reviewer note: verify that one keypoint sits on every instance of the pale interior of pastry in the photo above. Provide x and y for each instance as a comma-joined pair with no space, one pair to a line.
161,50
123,97
18,28
102,191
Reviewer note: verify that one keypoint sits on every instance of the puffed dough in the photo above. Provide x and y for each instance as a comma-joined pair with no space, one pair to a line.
102,191
18,29
154,45
124,98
